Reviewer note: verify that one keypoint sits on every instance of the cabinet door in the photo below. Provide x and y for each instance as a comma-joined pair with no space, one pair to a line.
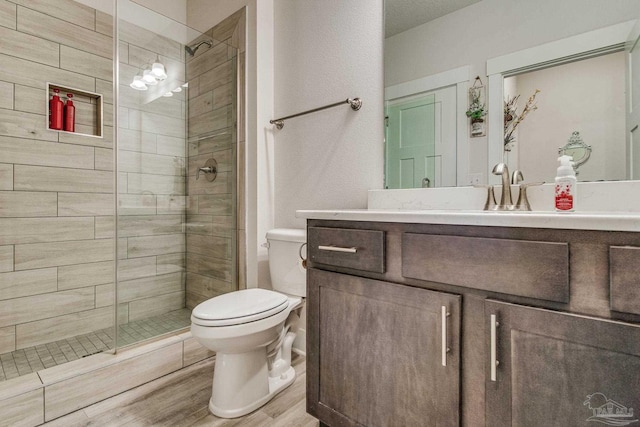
558,369
381,354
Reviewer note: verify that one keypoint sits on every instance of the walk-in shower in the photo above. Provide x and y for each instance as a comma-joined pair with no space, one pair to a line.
106,236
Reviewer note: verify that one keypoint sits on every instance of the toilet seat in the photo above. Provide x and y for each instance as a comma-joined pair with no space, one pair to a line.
239,307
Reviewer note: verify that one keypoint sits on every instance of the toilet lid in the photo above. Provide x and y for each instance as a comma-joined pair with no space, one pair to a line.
239,307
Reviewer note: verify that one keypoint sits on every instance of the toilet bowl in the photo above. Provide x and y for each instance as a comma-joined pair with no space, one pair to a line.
252,331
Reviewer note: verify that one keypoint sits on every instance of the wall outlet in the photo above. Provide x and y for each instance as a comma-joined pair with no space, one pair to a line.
474,178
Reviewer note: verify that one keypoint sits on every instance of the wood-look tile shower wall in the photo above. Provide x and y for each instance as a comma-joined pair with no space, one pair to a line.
56,189
213,213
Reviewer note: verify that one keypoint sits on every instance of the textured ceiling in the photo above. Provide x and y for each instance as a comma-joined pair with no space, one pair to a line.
400,15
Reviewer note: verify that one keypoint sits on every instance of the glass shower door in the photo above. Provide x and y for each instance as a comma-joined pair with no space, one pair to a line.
176,233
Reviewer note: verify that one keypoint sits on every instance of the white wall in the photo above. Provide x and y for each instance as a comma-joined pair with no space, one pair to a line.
327,51
489,29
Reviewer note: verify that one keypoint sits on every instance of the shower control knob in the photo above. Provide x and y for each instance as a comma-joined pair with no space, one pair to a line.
210,170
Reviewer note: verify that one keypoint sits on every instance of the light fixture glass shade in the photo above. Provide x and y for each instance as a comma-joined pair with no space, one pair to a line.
177,90
148,78
138,84
168,94
158,71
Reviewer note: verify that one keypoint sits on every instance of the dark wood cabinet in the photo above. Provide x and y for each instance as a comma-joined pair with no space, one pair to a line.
381,354
559,369
558,310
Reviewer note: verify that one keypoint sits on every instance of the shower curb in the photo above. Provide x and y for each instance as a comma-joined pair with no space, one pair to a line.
40,397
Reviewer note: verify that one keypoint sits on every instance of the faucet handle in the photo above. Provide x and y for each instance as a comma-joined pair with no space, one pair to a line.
490,204
516,177
523,202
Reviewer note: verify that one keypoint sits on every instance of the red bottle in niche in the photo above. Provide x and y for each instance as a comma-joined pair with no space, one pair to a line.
69,115
55,111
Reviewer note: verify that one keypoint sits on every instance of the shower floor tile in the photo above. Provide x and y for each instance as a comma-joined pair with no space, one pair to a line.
33,359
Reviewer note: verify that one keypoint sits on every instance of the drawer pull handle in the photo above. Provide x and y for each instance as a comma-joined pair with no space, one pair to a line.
338,249
494,343
445,349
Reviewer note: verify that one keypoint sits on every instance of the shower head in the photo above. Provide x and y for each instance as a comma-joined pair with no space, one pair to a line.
191,50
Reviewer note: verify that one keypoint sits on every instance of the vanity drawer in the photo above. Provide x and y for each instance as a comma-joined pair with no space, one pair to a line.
624,273
349,248
526,268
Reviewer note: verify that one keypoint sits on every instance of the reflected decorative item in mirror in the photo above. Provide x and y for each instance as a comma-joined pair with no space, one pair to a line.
512,119
577,149
477,108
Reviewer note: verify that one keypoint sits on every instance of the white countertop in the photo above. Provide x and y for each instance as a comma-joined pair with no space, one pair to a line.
607,221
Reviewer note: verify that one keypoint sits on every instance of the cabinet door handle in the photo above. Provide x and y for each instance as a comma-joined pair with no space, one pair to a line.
494,343
445,349
338,249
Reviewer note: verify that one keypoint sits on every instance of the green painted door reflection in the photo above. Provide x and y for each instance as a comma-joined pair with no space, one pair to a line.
410,143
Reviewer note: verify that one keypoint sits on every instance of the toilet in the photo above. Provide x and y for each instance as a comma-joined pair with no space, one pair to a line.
252,331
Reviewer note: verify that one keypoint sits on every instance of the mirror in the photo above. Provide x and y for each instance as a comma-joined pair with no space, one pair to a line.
450,50
569,101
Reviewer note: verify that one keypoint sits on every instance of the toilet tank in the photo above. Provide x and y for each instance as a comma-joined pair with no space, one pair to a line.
286,245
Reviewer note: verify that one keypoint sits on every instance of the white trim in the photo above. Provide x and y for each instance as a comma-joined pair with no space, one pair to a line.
549,52
462,133
495,133
425,84
575,47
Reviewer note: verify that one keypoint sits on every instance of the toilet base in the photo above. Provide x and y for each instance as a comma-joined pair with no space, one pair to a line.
276,385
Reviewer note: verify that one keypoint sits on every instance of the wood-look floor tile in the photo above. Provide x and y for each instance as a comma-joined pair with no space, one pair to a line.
283,402
181,399
295,416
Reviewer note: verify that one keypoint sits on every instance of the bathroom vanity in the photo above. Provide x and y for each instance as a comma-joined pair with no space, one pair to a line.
419,319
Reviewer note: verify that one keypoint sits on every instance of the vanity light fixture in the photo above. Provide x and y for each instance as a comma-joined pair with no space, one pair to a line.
177,90
148,78
138,83
157,70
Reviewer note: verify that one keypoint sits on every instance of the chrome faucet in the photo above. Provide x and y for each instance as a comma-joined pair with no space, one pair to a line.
506,202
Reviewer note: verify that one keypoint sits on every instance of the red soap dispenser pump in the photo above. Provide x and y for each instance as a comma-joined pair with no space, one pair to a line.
69,115
55,111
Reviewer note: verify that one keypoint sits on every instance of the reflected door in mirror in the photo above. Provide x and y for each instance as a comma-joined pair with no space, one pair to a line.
420,140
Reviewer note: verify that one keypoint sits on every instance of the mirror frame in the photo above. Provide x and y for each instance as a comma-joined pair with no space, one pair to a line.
593,43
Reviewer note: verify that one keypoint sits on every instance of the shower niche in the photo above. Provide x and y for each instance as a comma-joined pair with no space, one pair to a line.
89,110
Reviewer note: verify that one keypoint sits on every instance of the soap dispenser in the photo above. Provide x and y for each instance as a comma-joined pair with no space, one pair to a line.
69,115
565,185
55,111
